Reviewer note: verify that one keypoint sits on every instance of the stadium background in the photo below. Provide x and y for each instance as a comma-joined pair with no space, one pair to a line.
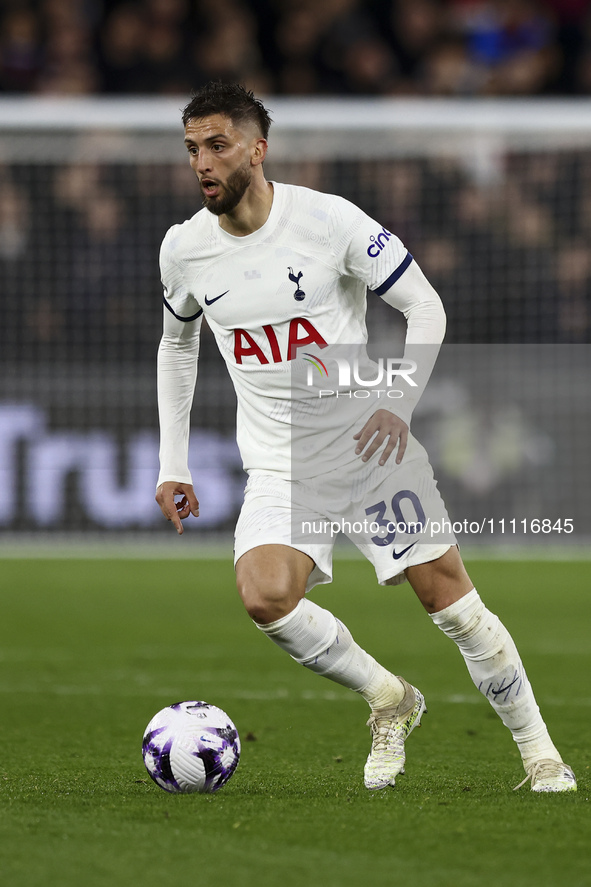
422,113
463,126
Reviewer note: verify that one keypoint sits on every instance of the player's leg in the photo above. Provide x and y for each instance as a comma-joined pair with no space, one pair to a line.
447,593
272,582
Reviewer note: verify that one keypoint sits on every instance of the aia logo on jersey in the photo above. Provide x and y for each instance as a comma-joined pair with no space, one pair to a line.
299,294
378,243
302,333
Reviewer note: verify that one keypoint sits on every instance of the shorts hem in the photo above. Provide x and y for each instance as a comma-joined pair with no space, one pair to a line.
419,556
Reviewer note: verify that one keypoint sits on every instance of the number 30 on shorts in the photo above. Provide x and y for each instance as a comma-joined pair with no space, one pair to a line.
397,522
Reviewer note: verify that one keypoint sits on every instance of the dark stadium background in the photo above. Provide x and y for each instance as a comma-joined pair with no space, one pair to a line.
337,47
504,241
476,150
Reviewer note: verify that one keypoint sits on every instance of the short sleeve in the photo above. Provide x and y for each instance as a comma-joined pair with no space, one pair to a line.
365,249
176,297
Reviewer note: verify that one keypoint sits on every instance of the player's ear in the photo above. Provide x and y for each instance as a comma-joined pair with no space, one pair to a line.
259,152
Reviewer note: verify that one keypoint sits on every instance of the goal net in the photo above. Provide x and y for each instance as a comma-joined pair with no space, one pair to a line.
492,198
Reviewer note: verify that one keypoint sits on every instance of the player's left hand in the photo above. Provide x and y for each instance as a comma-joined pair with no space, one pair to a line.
382,426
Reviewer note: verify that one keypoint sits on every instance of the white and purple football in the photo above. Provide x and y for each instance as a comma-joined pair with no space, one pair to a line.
191,747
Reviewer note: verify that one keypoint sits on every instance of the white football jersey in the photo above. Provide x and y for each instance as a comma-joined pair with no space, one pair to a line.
292,287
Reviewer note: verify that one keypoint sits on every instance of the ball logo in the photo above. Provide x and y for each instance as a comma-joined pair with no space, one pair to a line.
196,710
378,243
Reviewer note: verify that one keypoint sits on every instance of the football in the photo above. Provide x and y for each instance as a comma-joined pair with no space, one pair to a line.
191,747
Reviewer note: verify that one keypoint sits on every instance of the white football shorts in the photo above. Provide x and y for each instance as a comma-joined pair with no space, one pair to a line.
394,514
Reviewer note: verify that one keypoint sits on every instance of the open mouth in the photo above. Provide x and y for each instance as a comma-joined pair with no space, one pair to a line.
210,188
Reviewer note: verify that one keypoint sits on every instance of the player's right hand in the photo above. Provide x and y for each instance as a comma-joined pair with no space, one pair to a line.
177,511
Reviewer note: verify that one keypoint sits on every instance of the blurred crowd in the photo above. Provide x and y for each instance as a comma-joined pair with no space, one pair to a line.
79,247
297,47
509,257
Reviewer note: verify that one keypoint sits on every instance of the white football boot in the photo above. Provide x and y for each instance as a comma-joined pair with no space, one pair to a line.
550,776
390,727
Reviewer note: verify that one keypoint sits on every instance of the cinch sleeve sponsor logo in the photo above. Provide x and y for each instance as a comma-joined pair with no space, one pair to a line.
378,243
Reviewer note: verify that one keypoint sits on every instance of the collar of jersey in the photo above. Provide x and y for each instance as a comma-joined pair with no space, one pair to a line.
261,232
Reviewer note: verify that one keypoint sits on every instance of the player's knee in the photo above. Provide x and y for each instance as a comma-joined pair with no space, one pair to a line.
267,601
441,582
271,581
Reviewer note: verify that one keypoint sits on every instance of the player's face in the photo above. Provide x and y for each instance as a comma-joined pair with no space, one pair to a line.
220,156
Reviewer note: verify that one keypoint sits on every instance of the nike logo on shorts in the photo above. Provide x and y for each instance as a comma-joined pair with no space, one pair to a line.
211,301
400,553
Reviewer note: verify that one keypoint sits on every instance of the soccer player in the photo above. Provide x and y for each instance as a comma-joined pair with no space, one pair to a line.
281,274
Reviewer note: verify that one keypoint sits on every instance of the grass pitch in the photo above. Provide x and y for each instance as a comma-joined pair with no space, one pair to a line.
90,650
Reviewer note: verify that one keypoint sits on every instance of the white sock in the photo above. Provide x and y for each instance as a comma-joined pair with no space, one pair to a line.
497,671
315,638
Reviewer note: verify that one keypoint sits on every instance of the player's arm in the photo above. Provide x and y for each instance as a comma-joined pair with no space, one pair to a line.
412,294
365,250
177,374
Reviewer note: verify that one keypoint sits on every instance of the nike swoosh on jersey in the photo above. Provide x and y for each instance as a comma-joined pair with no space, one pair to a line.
404,550
211,301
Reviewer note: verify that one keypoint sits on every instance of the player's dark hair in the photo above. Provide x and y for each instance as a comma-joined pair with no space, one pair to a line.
231,100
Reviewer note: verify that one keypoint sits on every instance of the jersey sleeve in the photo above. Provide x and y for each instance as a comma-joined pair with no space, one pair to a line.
177,367
366,250
181,303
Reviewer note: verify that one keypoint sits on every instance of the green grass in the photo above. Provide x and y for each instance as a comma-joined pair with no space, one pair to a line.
90,650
